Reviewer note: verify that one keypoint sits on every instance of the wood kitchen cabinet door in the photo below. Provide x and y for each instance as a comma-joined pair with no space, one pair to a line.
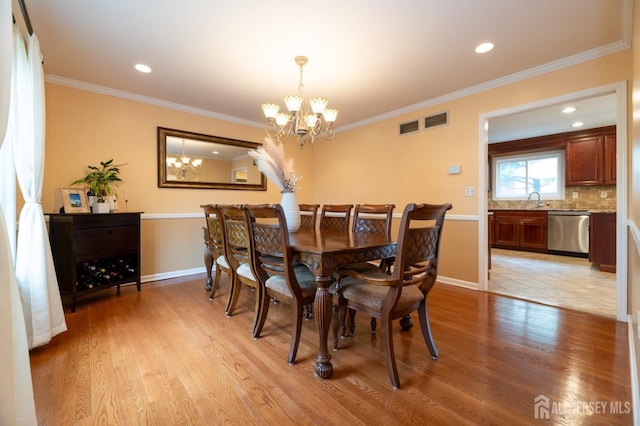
602,240
520,229
609,169
533,232
506,231
584,160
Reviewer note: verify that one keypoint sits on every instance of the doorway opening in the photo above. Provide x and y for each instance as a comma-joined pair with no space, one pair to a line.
516,264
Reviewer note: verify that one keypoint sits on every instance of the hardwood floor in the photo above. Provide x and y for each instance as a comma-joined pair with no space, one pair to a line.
168,355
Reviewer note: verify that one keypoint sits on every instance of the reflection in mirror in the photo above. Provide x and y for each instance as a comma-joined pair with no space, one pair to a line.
193,160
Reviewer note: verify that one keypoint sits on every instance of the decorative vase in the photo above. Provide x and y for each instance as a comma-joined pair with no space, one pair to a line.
100,207
291,210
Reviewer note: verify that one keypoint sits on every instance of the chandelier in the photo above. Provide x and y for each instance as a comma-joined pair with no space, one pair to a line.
306,119
180,166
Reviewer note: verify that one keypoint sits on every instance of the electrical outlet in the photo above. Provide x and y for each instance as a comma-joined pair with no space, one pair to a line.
603,194
574,195
469,191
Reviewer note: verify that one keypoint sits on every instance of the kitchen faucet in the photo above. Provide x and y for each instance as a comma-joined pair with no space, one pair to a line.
540,203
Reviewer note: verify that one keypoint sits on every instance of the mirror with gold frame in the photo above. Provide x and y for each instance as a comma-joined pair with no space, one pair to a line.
194,160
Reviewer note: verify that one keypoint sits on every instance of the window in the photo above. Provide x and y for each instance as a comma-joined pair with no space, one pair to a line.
517,176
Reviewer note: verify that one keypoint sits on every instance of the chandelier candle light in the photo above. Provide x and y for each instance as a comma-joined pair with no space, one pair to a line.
305,119
183,164
271,161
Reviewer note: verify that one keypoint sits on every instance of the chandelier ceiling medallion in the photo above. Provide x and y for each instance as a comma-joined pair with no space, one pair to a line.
180,166
306,119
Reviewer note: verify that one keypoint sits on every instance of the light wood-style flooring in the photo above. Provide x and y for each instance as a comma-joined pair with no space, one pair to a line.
564,281
169,356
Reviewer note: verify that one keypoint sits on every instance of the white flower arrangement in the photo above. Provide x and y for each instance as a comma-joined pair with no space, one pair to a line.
271,161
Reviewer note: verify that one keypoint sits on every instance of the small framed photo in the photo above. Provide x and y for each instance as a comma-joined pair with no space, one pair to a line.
75,200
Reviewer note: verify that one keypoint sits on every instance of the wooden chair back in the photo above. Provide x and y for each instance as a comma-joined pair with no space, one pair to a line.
235,235
338,218
419,245
214,229
373,218
309,220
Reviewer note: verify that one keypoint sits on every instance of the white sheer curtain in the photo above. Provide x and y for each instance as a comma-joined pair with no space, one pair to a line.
44,315
16,393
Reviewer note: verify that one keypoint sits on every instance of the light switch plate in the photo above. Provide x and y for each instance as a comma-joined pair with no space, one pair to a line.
469,191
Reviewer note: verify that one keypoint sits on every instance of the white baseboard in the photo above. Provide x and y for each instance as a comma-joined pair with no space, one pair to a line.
457,283
172,274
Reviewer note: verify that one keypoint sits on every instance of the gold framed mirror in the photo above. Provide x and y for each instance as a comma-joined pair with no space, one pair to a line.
194,160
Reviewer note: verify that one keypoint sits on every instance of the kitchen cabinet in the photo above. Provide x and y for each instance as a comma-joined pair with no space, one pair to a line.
591,160
520,230
93,252
602,240
609,160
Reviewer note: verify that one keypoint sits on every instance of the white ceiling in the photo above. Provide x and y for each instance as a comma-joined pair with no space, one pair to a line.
372,59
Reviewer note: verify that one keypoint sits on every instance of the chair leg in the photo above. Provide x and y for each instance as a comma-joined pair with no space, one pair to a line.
308,311
406,323
387,340
208,264
335,320
342,315
295,337
216,283
259,294
262,315
426,329
352,322
234,294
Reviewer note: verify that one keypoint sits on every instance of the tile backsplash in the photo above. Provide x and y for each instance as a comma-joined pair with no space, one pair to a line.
589,198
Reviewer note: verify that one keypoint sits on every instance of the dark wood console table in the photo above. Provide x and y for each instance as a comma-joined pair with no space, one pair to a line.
93,252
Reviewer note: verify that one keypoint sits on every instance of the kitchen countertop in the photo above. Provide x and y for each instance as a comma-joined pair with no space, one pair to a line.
552,210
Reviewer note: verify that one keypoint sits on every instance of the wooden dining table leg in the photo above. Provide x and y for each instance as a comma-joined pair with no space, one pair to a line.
322,307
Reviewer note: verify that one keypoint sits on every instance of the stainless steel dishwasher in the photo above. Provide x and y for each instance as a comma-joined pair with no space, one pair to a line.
568,232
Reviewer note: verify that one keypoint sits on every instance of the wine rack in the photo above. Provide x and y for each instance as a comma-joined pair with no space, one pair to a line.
93,252
99,272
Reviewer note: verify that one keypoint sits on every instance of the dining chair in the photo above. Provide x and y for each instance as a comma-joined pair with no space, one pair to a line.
388,297
236,240
337,219
274,267
214,252
370,219
309,220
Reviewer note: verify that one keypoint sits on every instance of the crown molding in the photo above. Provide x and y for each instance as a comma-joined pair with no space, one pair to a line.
76,84
523,75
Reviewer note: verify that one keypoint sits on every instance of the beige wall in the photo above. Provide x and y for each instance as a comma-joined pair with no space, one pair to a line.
369,164
413,168
85,128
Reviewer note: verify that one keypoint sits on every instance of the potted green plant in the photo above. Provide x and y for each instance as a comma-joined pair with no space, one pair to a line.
99,180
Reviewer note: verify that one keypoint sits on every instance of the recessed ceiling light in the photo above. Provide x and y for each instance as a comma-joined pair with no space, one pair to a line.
577,124
215,152
142,68
484,47
569,110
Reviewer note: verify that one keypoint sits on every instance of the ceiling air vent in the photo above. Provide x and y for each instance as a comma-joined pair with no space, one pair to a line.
436,120
409,127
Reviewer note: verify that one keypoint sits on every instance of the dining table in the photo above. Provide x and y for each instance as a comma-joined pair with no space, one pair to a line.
323,252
